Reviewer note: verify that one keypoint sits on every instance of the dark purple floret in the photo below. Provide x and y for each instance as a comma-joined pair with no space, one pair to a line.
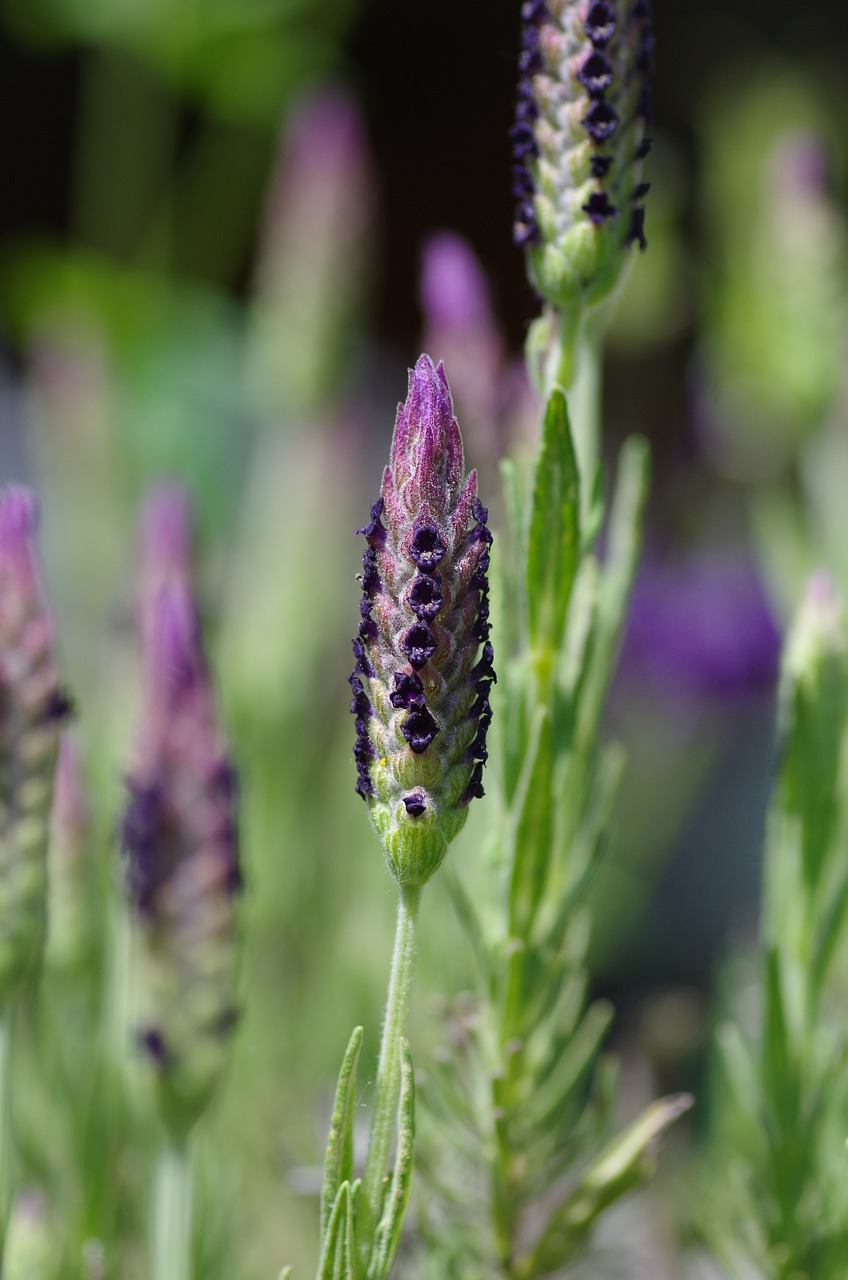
479,512
534,11
360,705
636,229
480,708
370,576
522,183
474,790
481,627
596,73
480,534
478,578
644,148
153,1044
523,141
425,596
418,644
600,23
600,121
599,207
364,785
408,689
419,728
477,750
415,803
368,628
60,706
363,664
363,750
427,547
600,166
484,666
375,527
640,191
144,836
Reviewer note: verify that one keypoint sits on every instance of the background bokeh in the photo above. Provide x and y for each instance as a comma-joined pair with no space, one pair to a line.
211,235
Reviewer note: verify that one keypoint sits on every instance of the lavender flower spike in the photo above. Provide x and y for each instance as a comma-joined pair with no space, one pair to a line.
32,707
579,139
179,834
420,684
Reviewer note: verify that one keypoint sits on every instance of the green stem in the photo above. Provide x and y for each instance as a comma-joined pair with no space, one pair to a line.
584,409
172,1214
388,1070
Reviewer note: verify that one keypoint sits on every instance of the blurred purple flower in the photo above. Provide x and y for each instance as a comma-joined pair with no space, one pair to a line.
180,830
700,628
313,256
493,398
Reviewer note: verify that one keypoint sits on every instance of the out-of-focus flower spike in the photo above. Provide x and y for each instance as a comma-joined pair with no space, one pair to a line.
314,252
32,708
420,683
183,872
578,140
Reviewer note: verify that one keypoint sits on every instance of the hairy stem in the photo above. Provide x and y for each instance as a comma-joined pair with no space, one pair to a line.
388,1071
172,1214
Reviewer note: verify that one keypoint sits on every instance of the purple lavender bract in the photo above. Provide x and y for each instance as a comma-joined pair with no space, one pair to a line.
420,684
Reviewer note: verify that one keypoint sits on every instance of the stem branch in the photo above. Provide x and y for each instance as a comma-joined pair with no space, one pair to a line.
388,1070
172,1214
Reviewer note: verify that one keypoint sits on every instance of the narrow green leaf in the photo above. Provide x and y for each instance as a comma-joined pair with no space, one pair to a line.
397,1195
572,1058
740,1072
285,1274
532,827
553,541
586,849
780,1072
625,536
339,1259
624,1163
338,1162
469,918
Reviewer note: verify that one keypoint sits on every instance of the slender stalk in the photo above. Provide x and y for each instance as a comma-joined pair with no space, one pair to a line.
584,408
388,1070
172,1214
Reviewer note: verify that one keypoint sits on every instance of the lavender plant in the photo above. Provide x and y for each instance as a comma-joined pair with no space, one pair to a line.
526,1107
420,697
779,1208
32,708
179,832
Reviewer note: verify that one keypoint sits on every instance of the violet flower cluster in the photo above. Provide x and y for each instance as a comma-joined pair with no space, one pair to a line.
180,837
579,139
421,683
32,708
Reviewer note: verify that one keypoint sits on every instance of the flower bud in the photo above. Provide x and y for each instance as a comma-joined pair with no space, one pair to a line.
179,833
578,142
32,707
420,683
